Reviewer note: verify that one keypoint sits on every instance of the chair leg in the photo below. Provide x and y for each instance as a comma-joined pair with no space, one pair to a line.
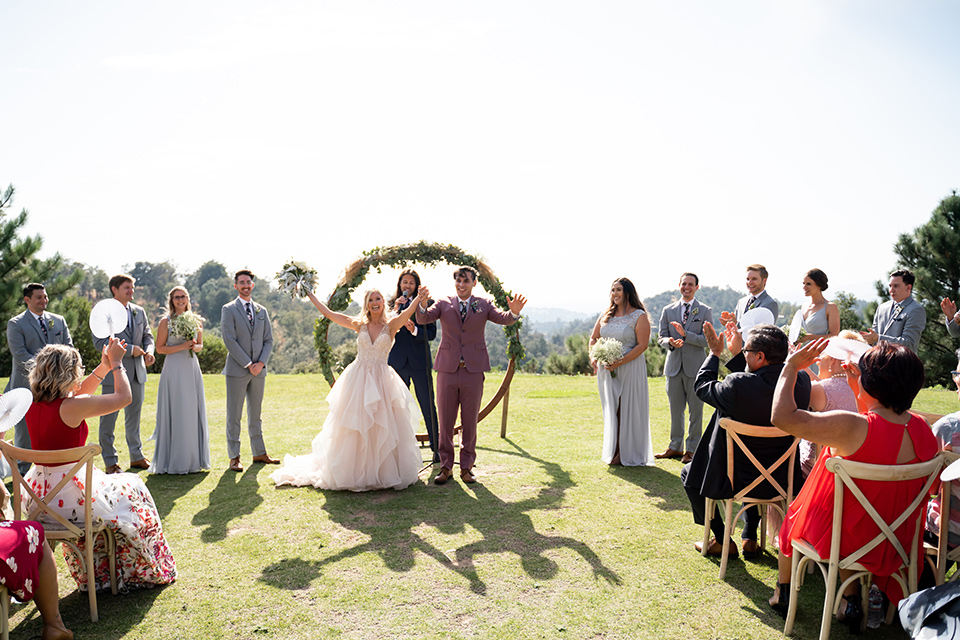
711,506
829,599
795,582
112,551
728,526
4,613
91,577
763,526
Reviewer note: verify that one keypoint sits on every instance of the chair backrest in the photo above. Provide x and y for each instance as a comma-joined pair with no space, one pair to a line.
735,432
41,509
847,471
930,418
944,556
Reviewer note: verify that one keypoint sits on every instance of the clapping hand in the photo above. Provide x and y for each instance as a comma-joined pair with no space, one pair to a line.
714,342
727,316
808,354
734,337
949,309
113,352
679,328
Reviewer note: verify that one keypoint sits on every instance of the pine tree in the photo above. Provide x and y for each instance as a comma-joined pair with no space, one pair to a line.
19,265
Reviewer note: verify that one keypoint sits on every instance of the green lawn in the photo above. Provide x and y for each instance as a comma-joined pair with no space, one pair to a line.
551,543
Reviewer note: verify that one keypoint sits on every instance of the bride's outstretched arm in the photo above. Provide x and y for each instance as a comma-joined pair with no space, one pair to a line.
406,314
339,318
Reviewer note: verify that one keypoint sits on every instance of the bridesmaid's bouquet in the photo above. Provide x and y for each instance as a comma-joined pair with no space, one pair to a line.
186,326
296,278
607,351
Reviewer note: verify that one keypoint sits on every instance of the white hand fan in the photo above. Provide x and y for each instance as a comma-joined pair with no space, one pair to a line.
108,318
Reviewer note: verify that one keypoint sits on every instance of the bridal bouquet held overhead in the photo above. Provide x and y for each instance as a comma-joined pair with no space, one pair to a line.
296,278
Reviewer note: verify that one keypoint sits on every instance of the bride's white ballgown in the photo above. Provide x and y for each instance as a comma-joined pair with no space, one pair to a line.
368,440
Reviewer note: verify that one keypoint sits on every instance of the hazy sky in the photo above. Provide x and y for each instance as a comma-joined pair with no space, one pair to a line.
565,142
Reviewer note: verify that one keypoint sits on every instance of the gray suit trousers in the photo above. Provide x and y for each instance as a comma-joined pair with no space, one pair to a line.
131,419
682,395
247,387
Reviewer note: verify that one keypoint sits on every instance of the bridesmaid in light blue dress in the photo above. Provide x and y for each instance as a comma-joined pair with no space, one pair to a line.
183,444
625,398
821,318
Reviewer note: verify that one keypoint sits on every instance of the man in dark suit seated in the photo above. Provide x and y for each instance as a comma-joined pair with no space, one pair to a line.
745,396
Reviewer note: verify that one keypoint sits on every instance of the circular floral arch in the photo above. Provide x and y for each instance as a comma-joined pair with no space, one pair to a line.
429,254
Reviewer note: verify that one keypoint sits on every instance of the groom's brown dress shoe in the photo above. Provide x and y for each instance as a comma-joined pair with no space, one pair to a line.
142,463
443,476
265,459
669,453
467,476
687,457
114,468
235,464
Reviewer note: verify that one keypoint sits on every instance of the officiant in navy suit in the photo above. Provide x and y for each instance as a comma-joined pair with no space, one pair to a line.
410,355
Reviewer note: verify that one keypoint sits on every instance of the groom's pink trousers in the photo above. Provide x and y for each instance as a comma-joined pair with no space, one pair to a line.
464,389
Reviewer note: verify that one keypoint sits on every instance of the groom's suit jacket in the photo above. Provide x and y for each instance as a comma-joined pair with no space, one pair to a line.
245,343
25,338
903,327
688,358
763,300
463,340
137,332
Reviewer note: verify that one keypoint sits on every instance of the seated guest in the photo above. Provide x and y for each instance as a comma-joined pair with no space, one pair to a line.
947,432
63,400
888,378
828,392
28,571
745,396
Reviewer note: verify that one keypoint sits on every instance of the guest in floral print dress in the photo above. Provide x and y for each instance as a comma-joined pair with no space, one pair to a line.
63,400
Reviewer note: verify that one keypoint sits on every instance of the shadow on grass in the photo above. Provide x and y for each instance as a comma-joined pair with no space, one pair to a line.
661,485
392,521
166,488
118,614
236,495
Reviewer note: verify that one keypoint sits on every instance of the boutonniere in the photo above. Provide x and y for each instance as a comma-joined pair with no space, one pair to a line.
695,312
897,310
475,306
50,323
133,311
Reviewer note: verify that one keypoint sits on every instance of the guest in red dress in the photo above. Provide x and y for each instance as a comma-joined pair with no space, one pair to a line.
28,572
886,382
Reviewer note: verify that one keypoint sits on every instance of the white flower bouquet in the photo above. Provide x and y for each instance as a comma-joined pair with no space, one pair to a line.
296,278
186,326
606,351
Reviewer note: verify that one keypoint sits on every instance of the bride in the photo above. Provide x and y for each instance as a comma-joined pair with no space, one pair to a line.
368,439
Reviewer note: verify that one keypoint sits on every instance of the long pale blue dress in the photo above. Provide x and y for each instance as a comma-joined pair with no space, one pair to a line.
817,323
183,442
628,391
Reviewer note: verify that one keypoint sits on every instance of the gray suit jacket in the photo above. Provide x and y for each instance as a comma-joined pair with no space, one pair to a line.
901,328
688,358
136,333
245,344
952,328
764,300
25,339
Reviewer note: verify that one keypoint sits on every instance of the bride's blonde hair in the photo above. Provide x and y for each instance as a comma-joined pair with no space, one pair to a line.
364,317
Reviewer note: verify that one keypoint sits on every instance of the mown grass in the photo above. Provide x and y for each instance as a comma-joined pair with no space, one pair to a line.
551,543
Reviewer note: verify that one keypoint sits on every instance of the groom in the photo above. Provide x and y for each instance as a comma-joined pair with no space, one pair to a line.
461,362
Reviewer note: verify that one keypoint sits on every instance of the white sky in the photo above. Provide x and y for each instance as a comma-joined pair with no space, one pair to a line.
565,142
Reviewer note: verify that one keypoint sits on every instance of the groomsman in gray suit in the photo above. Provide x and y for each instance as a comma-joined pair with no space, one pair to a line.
901,319
247,333
139,356
757,296
681,334
27,333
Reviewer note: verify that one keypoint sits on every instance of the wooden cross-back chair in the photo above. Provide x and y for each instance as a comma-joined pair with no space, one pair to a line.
845,473
55,526
784,495
941,556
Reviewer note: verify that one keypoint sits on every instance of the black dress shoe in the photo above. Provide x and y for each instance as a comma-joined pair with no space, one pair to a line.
783,599
853,614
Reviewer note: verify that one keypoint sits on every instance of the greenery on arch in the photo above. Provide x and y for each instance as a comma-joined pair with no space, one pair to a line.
426,253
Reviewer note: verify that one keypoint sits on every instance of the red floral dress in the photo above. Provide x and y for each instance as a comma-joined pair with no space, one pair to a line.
21,550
